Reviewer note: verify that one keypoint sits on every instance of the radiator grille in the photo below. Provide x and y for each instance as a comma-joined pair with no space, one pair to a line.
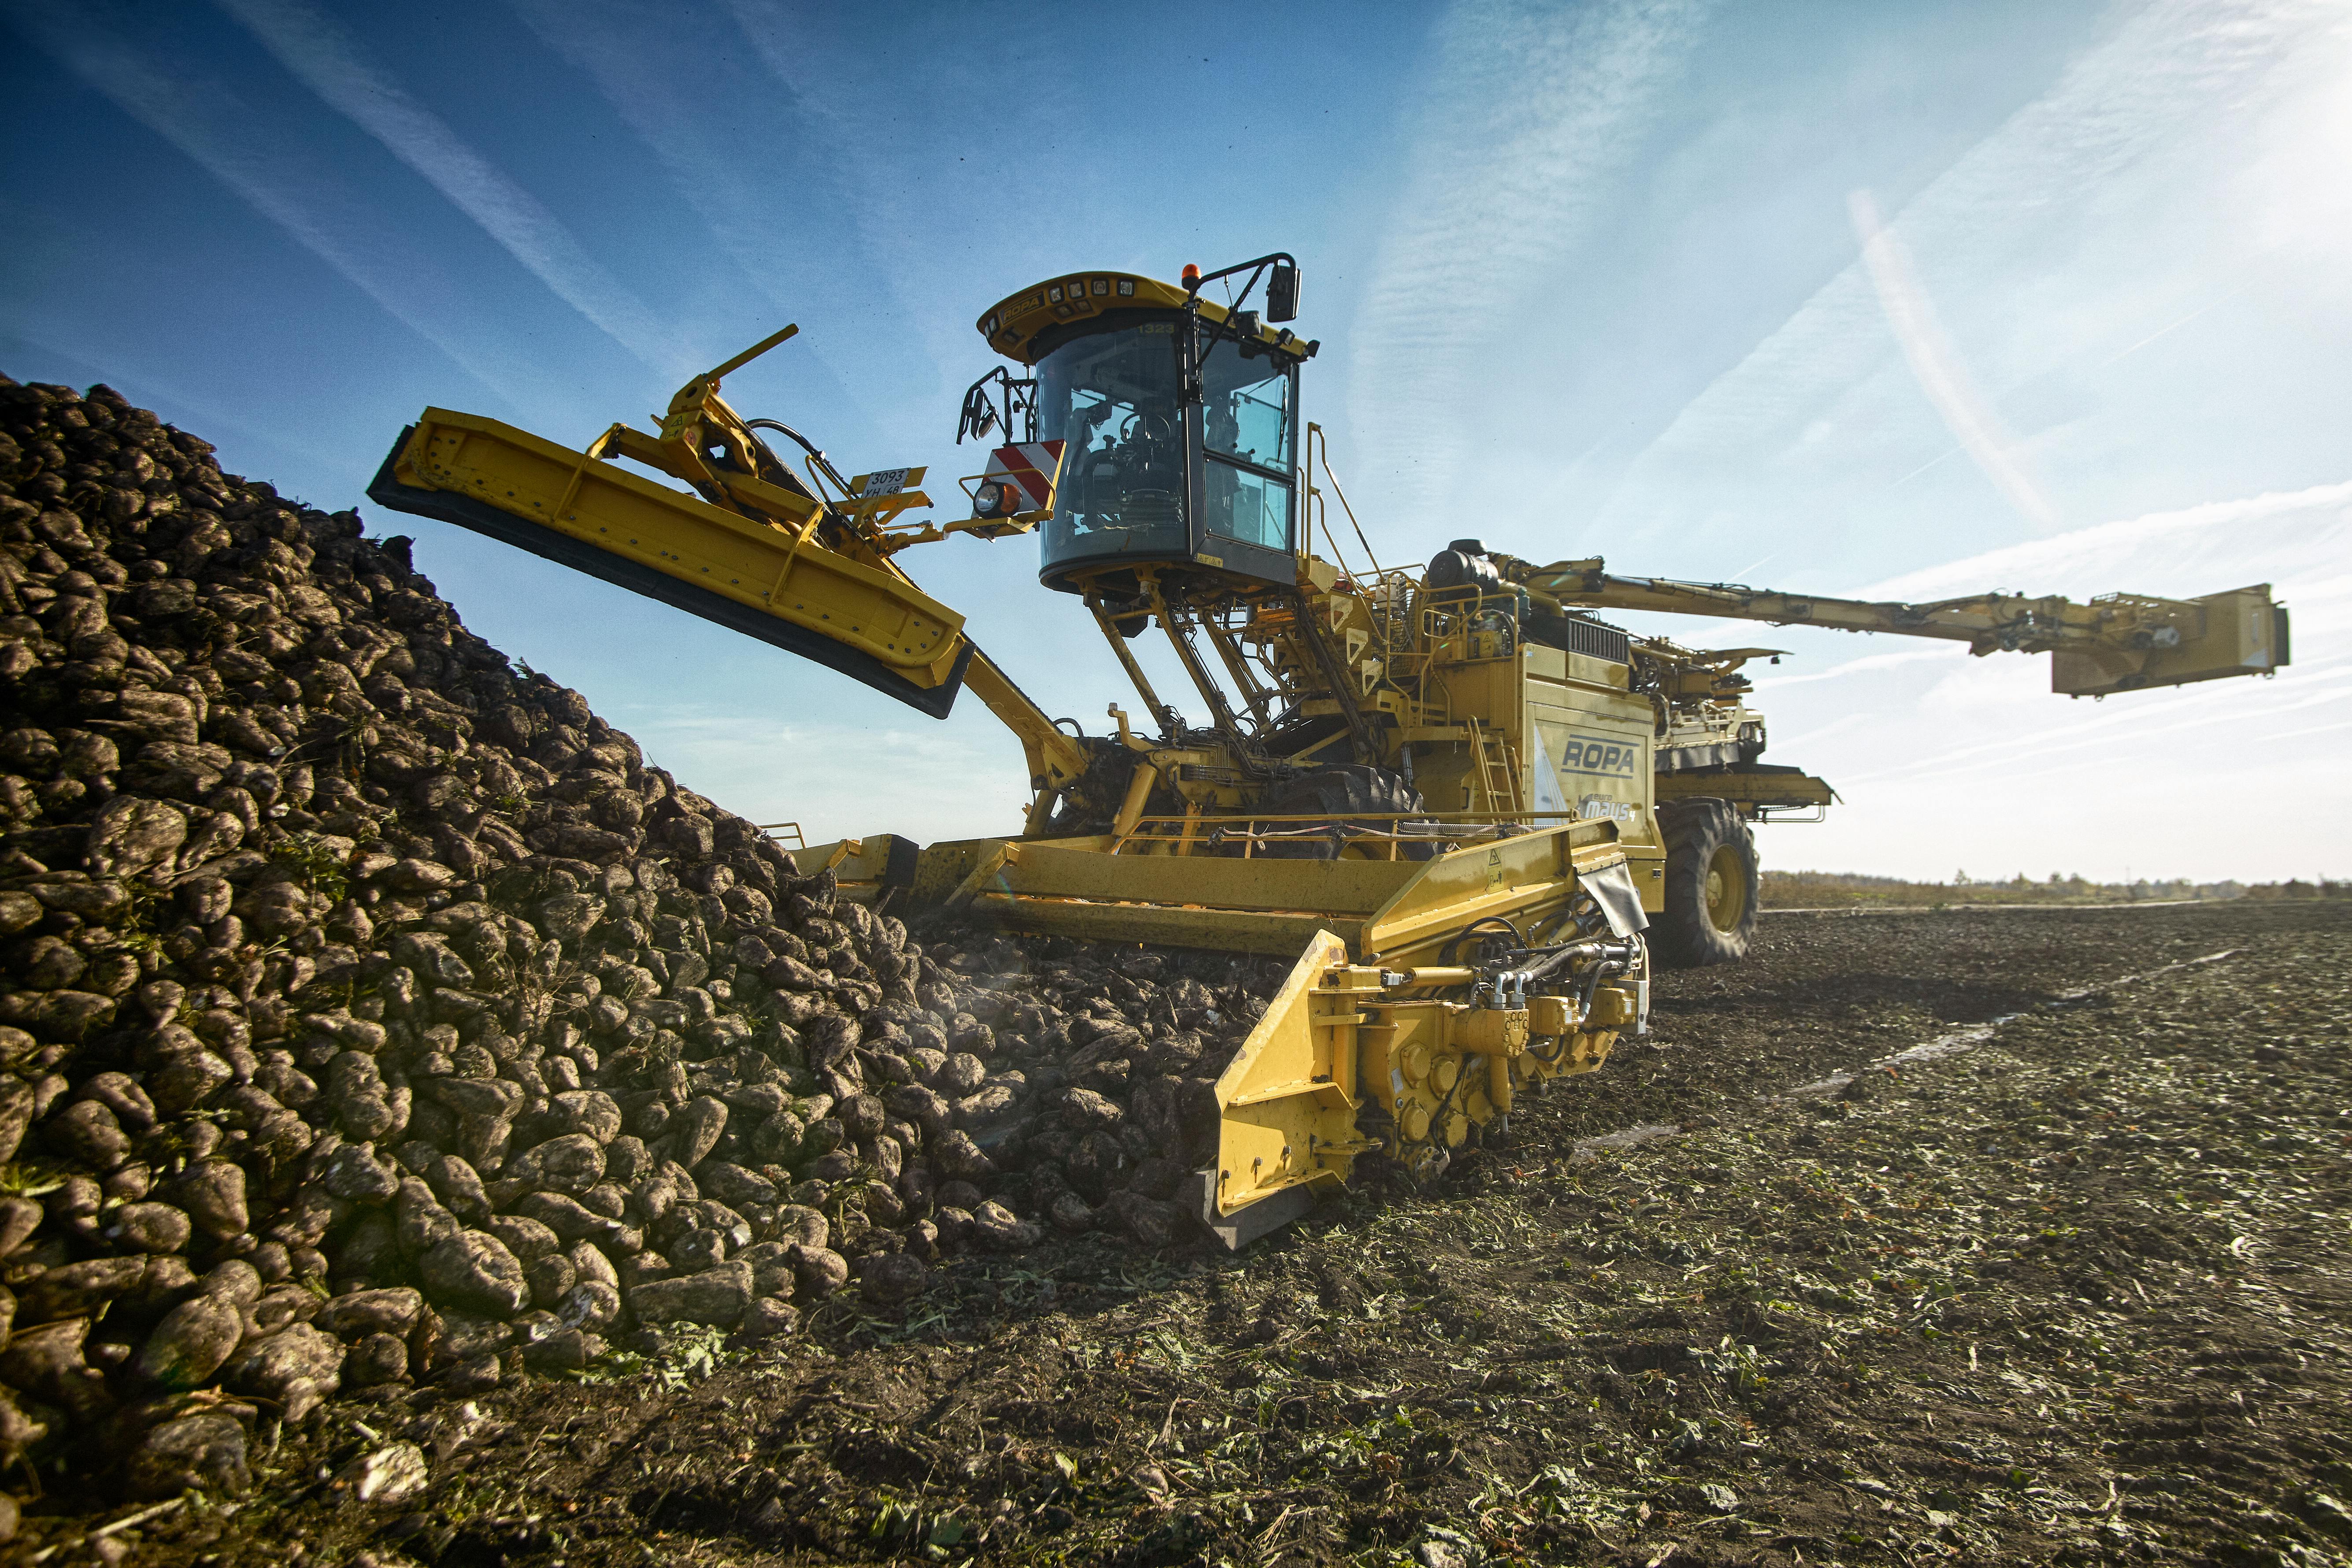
1598,639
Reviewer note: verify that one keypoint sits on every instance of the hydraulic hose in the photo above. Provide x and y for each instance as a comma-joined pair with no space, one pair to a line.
1600,972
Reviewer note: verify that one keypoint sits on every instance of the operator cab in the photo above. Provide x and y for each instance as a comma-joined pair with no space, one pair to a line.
1179,423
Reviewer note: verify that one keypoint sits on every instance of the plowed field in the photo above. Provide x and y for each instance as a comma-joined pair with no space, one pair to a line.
2067,1285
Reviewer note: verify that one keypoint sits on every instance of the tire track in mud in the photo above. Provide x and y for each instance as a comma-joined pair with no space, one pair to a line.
1959,1041
1941,1046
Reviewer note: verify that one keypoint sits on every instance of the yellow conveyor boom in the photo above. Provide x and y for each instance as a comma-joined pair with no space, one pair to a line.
780,581
2117,642
869,623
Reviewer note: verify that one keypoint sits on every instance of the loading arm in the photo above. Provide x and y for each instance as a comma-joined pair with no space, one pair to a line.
806,565
2117,642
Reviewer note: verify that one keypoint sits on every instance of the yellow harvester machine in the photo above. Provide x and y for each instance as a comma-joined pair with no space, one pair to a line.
1471,811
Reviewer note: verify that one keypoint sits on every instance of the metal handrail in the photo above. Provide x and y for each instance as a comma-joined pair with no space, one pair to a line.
1431,815
1193,831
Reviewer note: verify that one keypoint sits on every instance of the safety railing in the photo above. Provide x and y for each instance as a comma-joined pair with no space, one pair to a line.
1446,620
1195,832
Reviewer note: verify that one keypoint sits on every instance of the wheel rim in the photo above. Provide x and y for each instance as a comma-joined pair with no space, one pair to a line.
1727,889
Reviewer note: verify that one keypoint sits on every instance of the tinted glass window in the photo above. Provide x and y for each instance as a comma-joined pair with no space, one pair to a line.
1247,416
1247,410
1112,397
1248,506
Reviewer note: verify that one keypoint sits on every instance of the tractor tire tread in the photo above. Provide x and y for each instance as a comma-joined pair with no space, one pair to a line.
1683,936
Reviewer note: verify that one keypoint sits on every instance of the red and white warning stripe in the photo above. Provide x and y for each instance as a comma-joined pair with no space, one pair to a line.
1031,467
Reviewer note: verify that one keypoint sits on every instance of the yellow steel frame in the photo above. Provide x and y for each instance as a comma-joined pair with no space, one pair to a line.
757,565
1340,1039
1288,1097
1392,911
764,546
1752,786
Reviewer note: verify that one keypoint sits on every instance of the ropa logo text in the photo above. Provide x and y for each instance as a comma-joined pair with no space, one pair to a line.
1600,754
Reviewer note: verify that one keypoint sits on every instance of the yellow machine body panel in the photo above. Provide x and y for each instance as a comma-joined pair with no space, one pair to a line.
1013,322
1542,734
1589,750
1288,1096
1758,785
1523,877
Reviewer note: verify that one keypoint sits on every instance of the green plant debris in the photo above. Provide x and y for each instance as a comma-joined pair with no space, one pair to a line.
318,864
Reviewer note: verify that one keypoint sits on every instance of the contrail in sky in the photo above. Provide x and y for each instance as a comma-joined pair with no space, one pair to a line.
851,107
2041,565
309,45
132,374
1531,113
2218,704
1868,662
2297,539
1911,316
2007,223
652,66
226,138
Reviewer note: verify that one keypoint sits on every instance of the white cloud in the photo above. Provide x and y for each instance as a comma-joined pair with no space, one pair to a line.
312,45
2312,730
959,780
1864,666
1798,742
854,113
1532,113
2135,727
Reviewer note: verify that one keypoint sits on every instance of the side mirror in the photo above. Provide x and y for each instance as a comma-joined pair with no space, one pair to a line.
979,415
1282,293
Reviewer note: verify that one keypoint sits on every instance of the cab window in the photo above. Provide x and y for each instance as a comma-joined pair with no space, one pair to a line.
1247,416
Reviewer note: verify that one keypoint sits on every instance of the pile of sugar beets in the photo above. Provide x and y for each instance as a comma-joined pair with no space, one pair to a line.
372,1015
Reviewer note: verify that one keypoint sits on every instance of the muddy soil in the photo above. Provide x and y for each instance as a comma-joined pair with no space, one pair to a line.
2070,1287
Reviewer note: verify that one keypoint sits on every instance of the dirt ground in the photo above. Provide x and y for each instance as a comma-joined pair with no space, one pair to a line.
2068,1285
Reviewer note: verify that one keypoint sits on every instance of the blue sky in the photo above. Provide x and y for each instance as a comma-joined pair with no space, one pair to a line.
1909,298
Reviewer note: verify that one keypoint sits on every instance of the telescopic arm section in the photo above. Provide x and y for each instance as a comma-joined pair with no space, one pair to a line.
2117,642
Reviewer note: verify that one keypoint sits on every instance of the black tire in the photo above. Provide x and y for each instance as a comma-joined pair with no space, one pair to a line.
1338,792
1713,886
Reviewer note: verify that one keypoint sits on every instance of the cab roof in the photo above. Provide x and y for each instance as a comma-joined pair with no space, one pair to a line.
1012,324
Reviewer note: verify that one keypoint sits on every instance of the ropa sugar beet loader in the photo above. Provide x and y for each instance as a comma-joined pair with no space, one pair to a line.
1470,811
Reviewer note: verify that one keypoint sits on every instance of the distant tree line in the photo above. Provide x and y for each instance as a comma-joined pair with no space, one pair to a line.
1837,889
